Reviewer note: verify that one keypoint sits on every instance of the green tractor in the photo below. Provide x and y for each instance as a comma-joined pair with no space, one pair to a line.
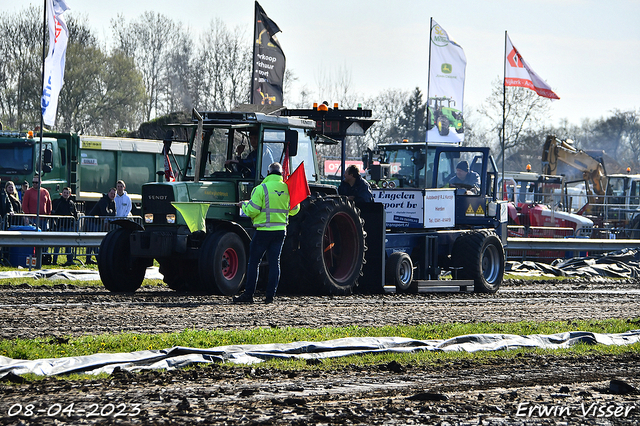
441,114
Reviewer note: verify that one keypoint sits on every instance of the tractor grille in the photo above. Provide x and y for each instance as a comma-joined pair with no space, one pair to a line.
157,198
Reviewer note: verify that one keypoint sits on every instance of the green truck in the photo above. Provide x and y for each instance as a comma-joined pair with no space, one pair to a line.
89,165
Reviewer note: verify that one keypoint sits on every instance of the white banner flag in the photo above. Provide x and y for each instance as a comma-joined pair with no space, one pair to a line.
445,122
519,74
54,63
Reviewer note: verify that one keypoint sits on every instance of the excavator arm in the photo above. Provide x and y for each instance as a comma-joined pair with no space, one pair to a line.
558,154
584,165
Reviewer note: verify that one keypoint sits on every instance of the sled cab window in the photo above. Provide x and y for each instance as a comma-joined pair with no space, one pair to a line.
448,162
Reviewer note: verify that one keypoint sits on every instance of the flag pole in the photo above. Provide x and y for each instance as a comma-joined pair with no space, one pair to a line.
504,104
426,137
253,58
44,40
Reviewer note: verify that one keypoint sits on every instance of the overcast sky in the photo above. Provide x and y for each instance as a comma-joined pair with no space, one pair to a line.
588,51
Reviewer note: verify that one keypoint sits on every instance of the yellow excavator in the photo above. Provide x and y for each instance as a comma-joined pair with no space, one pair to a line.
560,157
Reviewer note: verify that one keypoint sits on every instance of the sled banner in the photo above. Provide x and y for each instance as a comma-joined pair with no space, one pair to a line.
517,73
54,63
268,62
447,64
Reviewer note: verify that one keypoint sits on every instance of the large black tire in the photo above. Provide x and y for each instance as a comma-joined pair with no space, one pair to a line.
292,264
119,271
222,264
332,242
480,254
443,125
399,272
179,274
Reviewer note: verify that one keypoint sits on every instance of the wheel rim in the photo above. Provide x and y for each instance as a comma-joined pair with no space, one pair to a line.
405,274
491,263
340,246
229,263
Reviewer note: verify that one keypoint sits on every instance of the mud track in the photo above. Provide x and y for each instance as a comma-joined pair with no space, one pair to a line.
526,390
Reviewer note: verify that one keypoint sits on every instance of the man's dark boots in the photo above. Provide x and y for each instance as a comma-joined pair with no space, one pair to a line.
243,298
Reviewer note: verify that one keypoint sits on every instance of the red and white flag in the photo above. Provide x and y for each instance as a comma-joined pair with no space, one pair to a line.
518,73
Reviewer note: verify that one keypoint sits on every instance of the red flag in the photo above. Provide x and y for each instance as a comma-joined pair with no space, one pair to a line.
285,165
298,186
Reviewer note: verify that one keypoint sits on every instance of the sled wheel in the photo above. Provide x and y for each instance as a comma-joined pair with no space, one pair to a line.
222,264
480,254
399,271
333,243
119,271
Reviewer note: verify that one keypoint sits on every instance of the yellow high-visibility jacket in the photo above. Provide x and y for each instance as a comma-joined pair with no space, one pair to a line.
269,205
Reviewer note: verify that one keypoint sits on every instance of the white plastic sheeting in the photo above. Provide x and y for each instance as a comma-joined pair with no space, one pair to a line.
69,274
179,357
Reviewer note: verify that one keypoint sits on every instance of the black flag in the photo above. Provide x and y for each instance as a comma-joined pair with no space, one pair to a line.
268,62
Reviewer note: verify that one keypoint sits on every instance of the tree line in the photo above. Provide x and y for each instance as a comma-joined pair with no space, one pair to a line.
155,67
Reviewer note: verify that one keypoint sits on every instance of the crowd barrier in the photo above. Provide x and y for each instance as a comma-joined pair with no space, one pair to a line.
25,256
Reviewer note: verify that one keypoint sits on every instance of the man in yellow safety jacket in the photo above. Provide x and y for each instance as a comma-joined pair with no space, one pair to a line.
269,212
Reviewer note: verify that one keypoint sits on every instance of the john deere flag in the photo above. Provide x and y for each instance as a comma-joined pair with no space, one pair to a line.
268,62
518,73
447,63
54,63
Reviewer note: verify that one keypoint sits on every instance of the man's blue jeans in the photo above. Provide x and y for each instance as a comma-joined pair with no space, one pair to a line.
270,242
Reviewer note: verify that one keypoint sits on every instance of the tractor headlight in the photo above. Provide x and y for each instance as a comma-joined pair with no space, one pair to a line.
171,218
148,218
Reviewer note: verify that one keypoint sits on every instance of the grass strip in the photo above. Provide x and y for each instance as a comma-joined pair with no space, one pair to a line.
55,347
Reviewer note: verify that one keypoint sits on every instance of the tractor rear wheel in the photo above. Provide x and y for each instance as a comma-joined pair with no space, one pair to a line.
119,271
480,254
333,244
223,263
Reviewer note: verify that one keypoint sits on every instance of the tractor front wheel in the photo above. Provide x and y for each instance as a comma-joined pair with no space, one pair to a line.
223,263
119,271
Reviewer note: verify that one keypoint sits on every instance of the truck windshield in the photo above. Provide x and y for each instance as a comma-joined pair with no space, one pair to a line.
16,159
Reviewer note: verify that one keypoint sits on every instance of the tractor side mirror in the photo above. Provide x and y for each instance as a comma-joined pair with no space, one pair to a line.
291,138
47,160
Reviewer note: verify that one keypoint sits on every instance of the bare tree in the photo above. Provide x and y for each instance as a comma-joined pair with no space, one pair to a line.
224,59
149,40
524,109
21,68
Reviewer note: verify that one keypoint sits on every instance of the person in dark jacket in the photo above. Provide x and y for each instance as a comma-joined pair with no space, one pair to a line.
10,187
5,204
64,206
105,207
354,187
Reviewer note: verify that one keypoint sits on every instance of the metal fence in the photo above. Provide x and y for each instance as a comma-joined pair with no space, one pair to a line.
27,256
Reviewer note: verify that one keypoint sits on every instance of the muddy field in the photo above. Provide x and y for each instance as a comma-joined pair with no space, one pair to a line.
527,390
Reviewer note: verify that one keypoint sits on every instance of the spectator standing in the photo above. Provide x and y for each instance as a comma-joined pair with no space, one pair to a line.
10,187
64,206
123,202
30,199
23,189
5,204
104,208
